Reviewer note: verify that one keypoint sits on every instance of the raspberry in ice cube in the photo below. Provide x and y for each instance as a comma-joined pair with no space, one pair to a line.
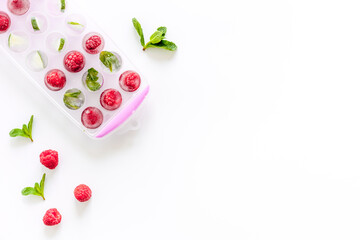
5,22
18,7
93,43
91,117
110,99
130,81
55,80
74,61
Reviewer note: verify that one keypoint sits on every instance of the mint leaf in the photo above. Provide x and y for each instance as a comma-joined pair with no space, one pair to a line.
26,131
156,37
163,30
91,80
109,60
164,44
139,30
17,132
73,94
37,190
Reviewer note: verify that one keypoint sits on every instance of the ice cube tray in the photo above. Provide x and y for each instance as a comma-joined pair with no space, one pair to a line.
30,47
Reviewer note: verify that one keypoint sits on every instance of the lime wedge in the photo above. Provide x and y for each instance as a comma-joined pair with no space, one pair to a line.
15,41
61,44
35,24
63,5
37,61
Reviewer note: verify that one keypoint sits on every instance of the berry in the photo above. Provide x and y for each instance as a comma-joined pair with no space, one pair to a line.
55,80
18,7
52,217
82,193
91,117
49,159
129,81
74,61
110,99
5,22
93,43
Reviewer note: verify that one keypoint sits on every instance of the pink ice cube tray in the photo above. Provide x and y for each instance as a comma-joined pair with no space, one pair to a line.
96,86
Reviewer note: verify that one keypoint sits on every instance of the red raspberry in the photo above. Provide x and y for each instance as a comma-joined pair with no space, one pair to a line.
55,80
82,193
74,61
93,42
92,117
49,159
129,81
110,99
5,22
52,217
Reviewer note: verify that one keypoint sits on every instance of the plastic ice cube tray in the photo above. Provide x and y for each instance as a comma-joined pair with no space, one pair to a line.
33,41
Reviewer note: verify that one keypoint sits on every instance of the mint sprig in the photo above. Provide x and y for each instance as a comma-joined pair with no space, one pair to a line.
26,130
157,39
92,80
37,190
109,60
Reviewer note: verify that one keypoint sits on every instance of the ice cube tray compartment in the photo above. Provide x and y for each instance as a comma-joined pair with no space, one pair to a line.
54,25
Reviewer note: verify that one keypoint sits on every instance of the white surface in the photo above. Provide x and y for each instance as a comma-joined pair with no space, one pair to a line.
251,131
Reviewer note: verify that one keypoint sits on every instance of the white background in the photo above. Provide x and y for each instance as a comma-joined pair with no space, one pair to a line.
251,130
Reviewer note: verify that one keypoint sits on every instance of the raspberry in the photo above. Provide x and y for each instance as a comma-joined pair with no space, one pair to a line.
82,193
49,159
129,81
111,99
93,43
92,117
5,22
52,217
74,61
55,80
18,7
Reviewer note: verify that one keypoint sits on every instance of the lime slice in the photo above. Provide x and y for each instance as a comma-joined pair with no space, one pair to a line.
37,61
76,25
35,24
61,44
63,5
15,41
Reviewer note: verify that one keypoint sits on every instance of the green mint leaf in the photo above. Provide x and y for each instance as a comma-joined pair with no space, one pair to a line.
62,43
28,190
164,44
42,183
163,30
30,124
63,5
17,132
156,37
75,24
93,86
139,30
109,60
26,131
92,75
73,94
37,190
34,24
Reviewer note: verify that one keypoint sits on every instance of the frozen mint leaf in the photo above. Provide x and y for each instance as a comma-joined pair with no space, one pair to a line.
93,85
26,131
109,60
139,30
72,94
92,75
